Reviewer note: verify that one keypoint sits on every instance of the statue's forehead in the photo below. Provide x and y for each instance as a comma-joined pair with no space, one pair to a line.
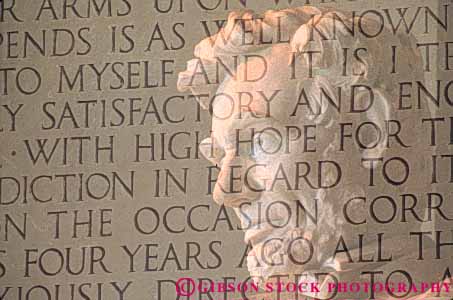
231,104
272,96
244,119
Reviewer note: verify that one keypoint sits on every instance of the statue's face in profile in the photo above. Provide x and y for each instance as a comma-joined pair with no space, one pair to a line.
256,149
266,150
292,172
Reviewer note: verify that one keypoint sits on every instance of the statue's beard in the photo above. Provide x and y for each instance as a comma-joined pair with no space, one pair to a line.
285,244
280,242
277,257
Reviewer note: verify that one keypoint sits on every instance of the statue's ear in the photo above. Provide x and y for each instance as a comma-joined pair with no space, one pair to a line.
379,113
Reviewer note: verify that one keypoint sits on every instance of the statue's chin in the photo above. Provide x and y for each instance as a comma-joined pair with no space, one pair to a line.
280,245
263,272
278,254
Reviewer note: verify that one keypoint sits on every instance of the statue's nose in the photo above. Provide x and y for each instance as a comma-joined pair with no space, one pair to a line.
236,183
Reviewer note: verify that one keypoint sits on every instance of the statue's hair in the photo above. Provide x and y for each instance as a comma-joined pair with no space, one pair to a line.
309,28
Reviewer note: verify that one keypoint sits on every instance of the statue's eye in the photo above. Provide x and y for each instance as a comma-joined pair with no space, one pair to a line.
265,145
